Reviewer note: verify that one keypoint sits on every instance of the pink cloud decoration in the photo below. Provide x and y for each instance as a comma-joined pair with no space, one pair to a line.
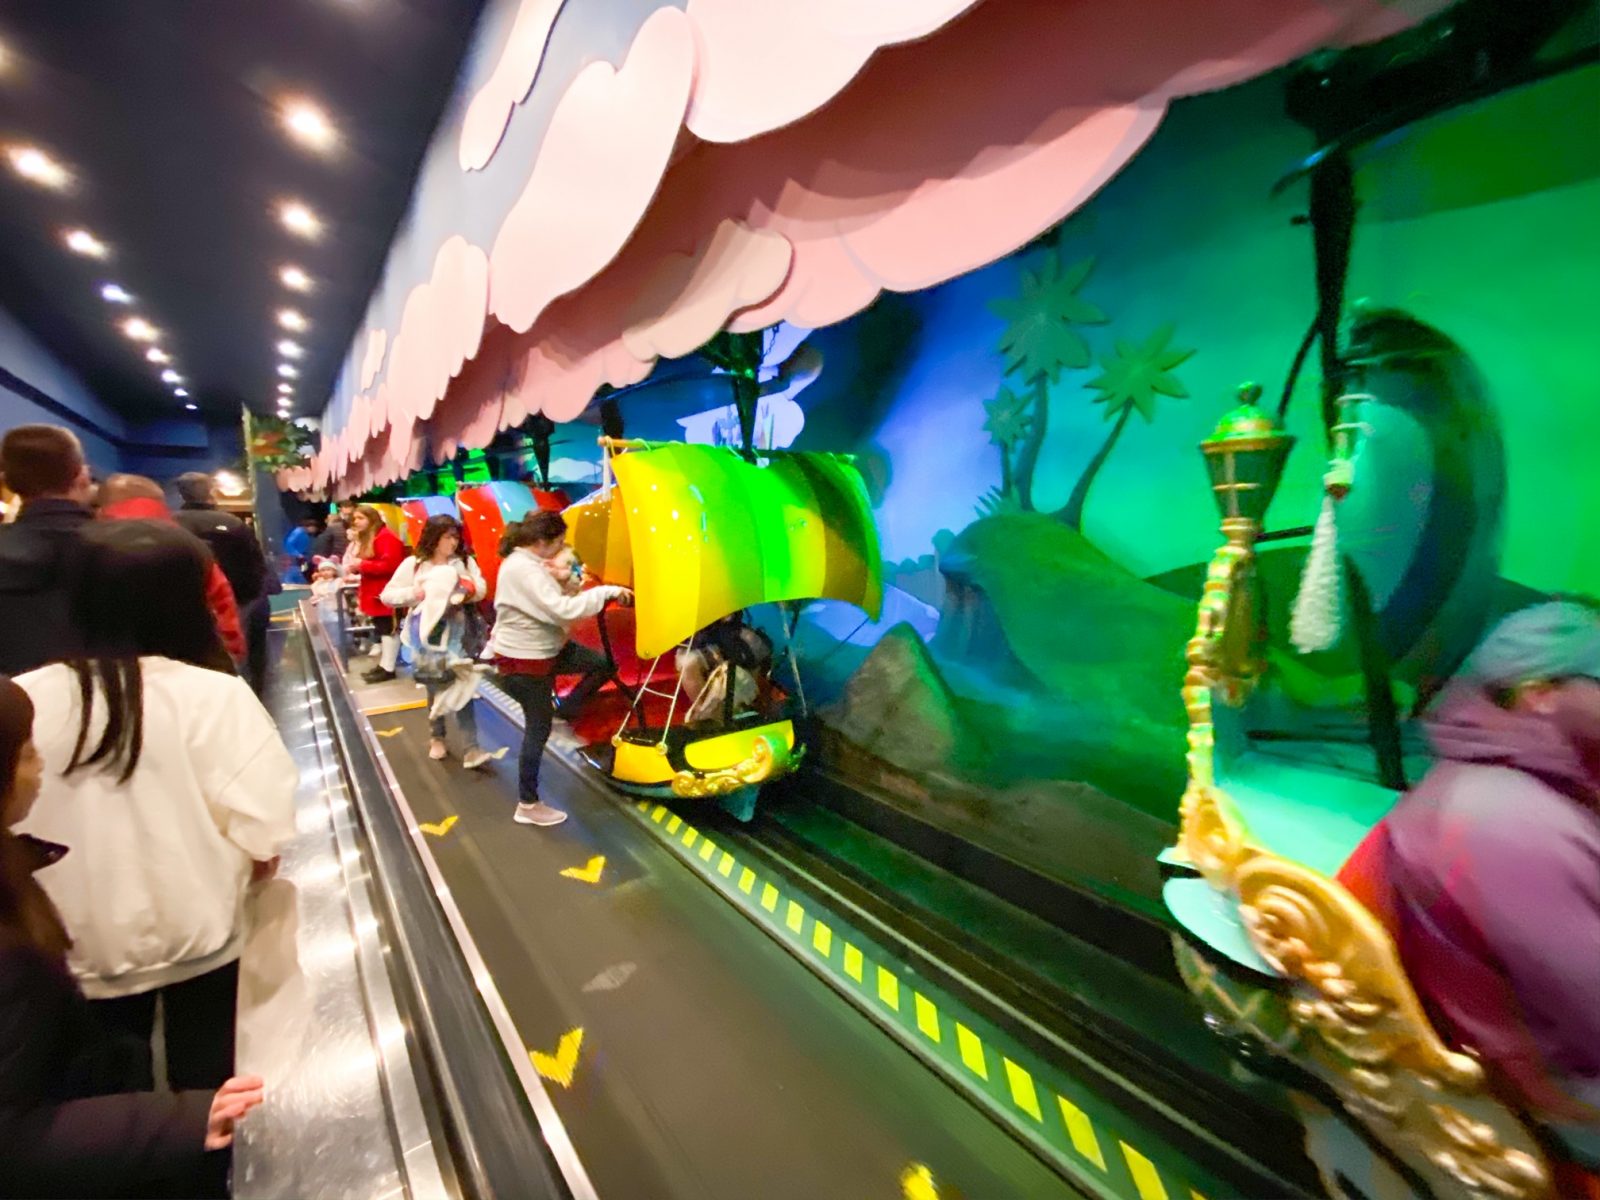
692,294
765,63
441,327
372,357
608,143
941,155
508,84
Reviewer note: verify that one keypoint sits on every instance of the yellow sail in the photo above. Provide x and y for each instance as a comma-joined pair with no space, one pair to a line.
699,533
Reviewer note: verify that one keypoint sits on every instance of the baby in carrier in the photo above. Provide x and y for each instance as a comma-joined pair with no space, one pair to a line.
726,649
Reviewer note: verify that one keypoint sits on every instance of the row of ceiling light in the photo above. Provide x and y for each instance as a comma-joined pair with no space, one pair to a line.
304,122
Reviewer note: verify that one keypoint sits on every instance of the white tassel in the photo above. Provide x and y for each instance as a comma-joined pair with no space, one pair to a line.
1318,616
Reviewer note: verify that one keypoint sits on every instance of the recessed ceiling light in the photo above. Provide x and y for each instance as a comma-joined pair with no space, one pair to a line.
292,320
290,349
34,165
157,355
287,371
308,124
115,294
171,376
140,330
298,219
286,388
81,241
190,407
295,279
180,392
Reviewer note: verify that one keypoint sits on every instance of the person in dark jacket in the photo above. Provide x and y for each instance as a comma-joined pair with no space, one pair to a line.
69,1126
239,554
335,536
39,551
1488,872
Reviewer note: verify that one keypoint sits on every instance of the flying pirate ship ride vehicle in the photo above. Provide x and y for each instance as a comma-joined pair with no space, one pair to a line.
702,533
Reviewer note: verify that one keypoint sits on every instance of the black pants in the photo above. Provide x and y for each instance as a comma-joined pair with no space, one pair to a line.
256,617
383,626
198,1024
536,695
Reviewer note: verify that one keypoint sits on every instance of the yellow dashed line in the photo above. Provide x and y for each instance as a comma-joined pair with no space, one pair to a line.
822,939
1145,1176
971,1051
1024,1094
889,989
1081,1132
1022,1091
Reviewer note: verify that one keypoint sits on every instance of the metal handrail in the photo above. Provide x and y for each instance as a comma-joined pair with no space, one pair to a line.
459,1019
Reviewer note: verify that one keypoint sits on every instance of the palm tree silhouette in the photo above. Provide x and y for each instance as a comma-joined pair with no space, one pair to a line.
1040,341
1129,382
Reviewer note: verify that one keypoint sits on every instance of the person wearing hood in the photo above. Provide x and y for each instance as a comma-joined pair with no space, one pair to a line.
40,551
136,498
1487,873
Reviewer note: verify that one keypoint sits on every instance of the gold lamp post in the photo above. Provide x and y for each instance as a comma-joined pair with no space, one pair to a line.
1245,456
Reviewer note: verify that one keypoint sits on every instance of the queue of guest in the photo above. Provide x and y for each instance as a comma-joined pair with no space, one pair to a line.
143,788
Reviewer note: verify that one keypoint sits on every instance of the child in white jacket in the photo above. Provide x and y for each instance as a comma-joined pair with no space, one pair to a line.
533,616
171,786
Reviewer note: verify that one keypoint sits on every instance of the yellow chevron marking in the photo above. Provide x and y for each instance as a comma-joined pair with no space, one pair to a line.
388,732
442,828
589,872
560,1066
916,1183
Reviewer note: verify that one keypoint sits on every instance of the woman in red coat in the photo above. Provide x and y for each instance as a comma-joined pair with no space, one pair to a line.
376,554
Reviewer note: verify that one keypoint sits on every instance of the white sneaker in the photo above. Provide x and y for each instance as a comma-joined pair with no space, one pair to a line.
538,813
475,758
437,749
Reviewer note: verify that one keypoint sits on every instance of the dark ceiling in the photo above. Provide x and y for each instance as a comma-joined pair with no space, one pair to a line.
168,115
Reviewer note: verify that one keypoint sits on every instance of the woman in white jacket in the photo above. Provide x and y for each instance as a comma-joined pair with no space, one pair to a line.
173,788
533,615
438,584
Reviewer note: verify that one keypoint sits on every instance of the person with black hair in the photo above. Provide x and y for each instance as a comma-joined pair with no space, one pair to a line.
440,584
534,615
172,786
44,466
73,1118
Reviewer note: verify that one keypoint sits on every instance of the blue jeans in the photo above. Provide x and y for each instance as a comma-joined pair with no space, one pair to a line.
466,718
536,696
